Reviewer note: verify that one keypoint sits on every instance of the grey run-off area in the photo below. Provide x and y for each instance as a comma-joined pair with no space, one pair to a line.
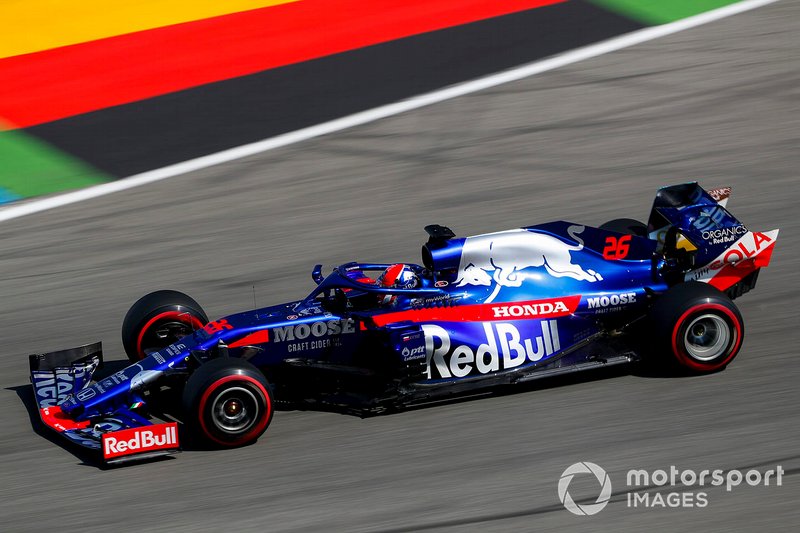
588,143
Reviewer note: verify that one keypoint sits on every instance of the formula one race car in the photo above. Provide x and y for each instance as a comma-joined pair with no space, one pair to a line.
494,309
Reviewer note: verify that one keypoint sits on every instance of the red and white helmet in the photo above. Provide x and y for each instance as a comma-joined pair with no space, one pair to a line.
397,276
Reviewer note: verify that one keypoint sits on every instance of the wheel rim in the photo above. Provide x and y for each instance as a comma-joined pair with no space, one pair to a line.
707,337
235,410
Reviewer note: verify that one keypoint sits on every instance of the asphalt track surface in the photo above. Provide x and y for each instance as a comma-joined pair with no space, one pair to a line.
589,143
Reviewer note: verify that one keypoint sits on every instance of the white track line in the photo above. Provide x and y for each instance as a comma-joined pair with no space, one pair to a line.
357,119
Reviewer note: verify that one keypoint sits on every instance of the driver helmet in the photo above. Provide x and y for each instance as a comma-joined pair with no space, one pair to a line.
398,276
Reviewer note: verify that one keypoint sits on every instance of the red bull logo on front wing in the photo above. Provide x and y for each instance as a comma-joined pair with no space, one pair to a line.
138,440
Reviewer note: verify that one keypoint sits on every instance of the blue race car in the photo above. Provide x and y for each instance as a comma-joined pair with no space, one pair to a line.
494,309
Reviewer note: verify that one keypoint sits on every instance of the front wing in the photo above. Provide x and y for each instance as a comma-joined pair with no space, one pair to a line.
118,436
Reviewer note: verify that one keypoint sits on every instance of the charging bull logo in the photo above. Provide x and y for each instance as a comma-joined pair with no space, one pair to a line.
499,258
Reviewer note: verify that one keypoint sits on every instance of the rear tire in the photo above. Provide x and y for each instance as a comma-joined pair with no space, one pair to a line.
159,319
228,403
627,226
697,327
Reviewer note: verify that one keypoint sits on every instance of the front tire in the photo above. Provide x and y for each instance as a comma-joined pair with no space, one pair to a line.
157,320
697,327
228,403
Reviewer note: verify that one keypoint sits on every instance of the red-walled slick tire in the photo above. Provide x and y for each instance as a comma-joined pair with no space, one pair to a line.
697,327
157,320
228,403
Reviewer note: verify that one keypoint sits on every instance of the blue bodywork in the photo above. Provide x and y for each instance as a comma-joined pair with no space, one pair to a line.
496,308
341,317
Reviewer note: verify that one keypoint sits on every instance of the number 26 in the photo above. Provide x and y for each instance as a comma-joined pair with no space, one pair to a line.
617,248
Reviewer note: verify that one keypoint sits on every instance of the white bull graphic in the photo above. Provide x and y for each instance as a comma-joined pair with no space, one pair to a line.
501,256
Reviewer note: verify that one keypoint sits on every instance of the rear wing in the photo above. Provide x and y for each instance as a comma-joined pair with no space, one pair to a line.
120,435
688,219
735,269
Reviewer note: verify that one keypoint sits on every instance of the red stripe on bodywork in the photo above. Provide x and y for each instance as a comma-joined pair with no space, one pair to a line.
763,259
55,418
62,82
536,309
259,337
731,274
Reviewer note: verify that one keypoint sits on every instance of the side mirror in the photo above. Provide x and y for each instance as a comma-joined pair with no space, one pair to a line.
316,274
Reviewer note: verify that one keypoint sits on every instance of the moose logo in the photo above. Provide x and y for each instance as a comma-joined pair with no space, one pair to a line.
500,257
